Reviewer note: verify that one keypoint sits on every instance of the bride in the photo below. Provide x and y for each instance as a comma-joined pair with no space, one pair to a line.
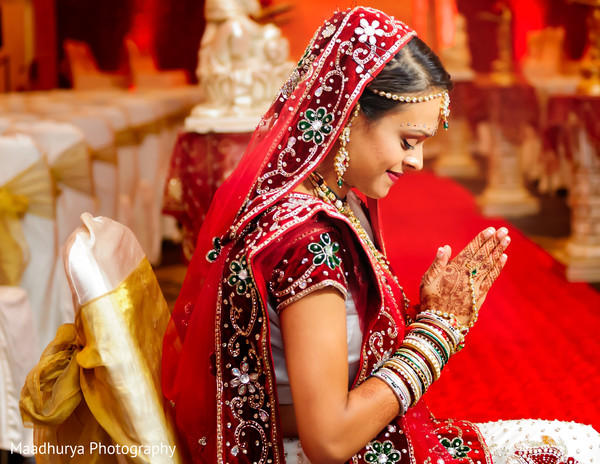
292,340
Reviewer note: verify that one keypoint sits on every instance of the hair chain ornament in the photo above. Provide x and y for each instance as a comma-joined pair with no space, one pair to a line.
342,157
444,95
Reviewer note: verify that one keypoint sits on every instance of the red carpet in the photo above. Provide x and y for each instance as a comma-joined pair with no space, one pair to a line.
535,352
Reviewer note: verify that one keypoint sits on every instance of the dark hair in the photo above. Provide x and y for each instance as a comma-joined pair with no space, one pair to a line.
415,69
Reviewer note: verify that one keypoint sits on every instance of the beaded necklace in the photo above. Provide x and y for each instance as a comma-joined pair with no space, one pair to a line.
330,197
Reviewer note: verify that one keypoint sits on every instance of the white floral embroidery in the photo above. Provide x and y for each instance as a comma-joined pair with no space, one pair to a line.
243,380
328,31
368,31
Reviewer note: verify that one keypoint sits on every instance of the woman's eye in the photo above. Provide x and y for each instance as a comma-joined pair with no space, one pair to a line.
406,145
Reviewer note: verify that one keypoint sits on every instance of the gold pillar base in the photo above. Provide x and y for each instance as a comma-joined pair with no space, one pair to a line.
589,86
504,79
508,204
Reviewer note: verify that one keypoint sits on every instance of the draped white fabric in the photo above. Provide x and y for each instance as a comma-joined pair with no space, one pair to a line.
18,354
126,138
99,256
17,154
506,439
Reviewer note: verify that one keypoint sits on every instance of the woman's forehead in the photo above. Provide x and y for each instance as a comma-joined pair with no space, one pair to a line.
426,112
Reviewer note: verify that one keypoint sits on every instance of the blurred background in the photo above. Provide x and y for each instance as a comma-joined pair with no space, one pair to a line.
34,32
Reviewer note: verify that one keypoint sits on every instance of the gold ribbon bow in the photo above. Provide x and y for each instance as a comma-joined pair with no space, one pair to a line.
175,119
126,137
31,191
152,127
135,135
52,397
74,169
110,358
107,154
52,390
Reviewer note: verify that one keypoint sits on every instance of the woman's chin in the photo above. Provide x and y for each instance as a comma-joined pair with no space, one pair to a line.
379,193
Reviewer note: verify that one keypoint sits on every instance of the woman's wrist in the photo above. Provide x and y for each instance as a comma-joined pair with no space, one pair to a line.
429,343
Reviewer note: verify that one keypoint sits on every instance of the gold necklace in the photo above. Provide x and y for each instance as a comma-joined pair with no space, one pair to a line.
328,196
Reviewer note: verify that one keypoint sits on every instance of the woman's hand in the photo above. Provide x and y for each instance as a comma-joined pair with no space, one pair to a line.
446,285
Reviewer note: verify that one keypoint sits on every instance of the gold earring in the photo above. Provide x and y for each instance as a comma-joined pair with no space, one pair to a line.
342,157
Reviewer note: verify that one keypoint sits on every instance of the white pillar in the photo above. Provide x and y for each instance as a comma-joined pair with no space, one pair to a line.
454,156
505,194
581,253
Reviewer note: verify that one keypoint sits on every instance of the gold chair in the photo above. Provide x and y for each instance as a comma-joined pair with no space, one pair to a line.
97,386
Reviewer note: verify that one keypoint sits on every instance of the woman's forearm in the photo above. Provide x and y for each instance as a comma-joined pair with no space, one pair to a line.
344,428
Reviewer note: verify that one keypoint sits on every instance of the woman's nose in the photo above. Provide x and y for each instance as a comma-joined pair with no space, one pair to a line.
414,160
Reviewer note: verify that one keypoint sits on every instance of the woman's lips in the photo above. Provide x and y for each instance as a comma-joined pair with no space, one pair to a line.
394,176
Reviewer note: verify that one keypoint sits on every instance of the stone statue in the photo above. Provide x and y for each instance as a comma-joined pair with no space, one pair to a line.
242,64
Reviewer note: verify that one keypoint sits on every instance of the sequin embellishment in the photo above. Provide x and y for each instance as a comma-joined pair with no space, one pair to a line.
382,453
240,278
213,254
325,252
456,447
315,125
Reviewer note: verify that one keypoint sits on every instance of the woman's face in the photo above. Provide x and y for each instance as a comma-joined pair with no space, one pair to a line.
383,150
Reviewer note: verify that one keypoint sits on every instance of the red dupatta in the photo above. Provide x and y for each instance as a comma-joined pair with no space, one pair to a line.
218,333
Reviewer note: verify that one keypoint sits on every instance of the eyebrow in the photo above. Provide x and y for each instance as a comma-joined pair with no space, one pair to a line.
420,131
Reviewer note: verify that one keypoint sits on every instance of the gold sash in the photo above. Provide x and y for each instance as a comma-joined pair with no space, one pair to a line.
30,191
107,154
110,355
177,118
126,137
73,169
150,128
135,135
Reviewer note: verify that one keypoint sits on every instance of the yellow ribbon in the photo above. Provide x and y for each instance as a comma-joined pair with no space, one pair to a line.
74,169
126,137
31,191
135,135
107,154
176,118
52,392
111,359
152,127
14,251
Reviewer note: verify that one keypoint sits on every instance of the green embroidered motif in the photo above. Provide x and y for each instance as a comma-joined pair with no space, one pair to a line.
240,277
301,61
315,125
325,252
456,447
213,254
382,453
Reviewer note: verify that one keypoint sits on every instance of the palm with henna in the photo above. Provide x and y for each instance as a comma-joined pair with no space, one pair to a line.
446,286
